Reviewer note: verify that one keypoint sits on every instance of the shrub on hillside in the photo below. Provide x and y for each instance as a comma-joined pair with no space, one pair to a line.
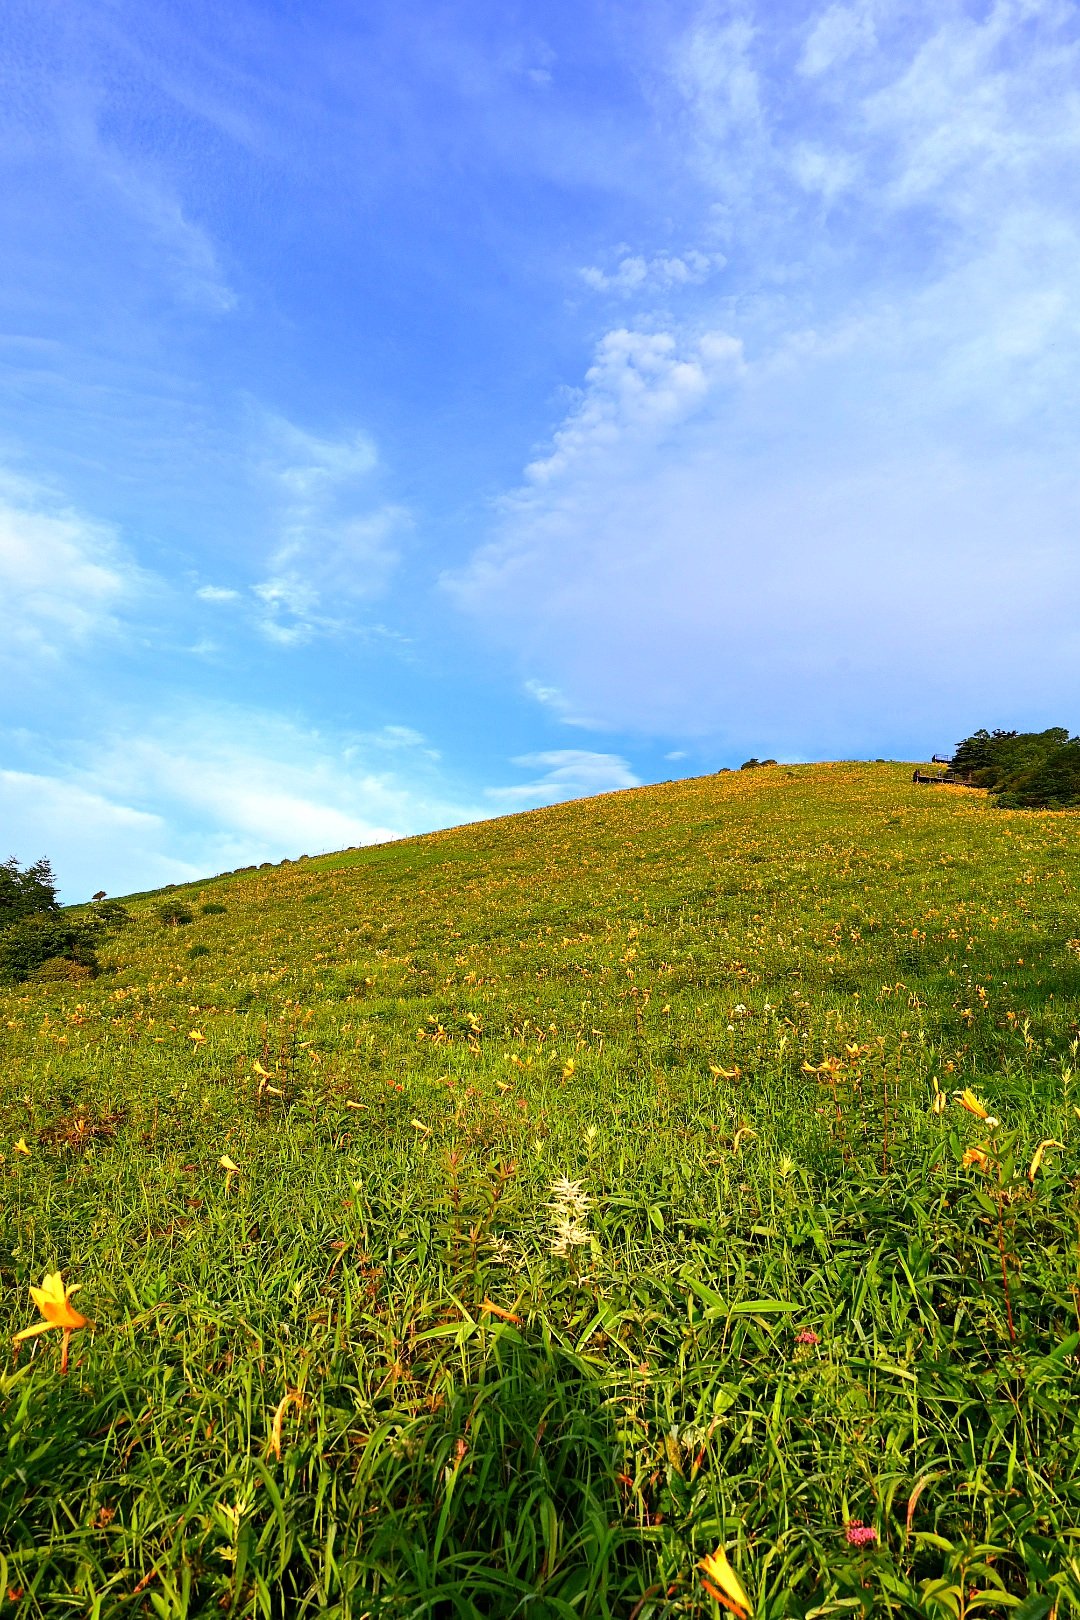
174,915
107,917
27,945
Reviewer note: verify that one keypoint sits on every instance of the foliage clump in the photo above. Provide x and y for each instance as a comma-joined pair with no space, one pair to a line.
174,915
26,890
41,940
1027,770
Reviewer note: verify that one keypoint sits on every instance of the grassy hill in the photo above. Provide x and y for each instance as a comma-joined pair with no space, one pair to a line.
602,1199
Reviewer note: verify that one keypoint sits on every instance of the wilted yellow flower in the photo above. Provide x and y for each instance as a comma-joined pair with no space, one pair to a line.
967,1099
21,1147
568,1068
1038,1156
722,1583
975,1157
53,1300
940,1102
227,1164
196,1035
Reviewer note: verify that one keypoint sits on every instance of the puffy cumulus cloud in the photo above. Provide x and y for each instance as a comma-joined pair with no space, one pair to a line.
337,544
566,773
639,385
665,272
63,577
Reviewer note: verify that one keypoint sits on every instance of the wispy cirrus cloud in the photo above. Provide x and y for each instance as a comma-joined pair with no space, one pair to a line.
337,544
205,787
566,773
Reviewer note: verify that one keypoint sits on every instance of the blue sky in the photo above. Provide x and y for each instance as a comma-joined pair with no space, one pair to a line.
410,414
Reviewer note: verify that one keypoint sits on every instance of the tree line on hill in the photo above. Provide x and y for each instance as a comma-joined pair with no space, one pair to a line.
1025,770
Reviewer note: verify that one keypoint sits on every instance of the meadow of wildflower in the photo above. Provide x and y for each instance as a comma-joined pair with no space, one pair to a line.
662,1204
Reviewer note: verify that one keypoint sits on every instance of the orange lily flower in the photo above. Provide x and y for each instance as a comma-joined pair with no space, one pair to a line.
722,1583
53,1300
967,1099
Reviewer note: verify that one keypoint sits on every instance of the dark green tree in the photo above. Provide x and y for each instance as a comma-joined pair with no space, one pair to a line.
26,890
1028,770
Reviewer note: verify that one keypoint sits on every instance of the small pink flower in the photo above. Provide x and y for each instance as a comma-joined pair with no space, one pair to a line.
859,1534
806,1337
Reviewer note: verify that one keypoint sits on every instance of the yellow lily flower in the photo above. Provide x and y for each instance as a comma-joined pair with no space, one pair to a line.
227,1164
21,1147
967,1099
975,1157
722,1583
53,1300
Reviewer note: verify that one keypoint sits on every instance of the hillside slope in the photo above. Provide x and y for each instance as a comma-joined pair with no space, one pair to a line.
592,1209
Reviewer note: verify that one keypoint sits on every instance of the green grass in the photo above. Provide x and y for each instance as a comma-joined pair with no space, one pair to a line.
723,1007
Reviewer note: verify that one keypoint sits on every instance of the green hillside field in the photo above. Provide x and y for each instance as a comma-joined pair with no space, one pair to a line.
602,1199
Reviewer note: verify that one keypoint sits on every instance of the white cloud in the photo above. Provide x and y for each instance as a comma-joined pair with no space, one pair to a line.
63,577
663,273
181,249
311,468
860,516
639,385
550,698
92,841
985,113
839,33
217,594
571,773
203,790
819,170
328,556
715,72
